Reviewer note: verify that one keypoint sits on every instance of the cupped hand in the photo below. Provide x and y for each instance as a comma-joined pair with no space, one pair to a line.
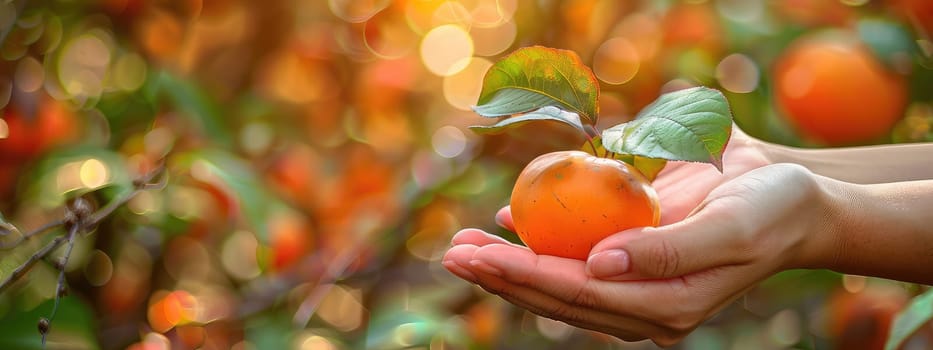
721,234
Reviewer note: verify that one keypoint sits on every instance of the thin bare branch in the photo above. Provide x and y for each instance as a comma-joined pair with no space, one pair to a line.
313,300
83,224
139,185
73,231
21,270
39,230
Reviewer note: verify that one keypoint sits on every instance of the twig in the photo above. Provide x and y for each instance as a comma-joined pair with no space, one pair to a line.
139,185
78,219
33,233
83,224
61,288
324,284
21,270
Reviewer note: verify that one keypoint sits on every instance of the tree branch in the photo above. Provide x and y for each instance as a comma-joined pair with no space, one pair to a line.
81,223
21,270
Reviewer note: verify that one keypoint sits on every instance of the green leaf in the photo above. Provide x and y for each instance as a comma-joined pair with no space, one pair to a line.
692,124
649,167
888,40
908,321
195,102
534,77
508,102
269,332
543,113
74,324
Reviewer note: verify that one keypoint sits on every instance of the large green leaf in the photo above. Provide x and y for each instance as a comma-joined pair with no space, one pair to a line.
534,77
908,321
543,113
692,124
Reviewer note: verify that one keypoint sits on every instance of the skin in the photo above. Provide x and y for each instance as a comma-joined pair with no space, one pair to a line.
774,208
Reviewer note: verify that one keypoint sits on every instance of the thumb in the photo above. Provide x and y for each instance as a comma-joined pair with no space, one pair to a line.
504,218
695,244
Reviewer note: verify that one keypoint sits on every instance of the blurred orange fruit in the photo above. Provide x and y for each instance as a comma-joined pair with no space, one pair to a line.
693,25
835,91
290,238
863,319
563,203
28,137
815,13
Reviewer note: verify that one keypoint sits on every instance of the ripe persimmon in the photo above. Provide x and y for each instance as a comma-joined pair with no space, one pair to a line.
834,91
563,203
862,320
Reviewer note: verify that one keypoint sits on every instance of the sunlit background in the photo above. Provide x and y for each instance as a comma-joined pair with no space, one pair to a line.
318,159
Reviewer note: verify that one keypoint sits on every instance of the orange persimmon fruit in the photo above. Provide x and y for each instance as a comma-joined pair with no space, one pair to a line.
834,91
563,203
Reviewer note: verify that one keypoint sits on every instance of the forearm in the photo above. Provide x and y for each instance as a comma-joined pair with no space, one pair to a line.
881,230
862,165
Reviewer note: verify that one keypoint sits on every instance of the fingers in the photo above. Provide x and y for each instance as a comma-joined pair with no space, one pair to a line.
542,304
476,237
566,280
706,240
558,288
504,218
456,257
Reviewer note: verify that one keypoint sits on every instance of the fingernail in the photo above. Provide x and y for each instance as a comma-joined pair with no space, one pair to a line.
609,263
459,271
484,267
499,220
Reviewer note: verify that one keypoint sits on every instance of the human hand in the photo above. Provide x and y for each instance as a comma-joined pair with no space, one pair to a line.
661,283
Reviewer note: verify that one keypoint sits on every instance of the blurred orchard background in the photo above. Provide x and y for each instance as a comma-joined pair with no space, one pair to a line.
289,173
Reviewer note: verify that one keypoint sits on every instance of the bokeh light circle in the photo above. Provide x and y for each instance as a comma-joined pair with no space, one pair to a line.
489,41
389,37
129,71
82,66
448,141
644,32
798,81
745,11
356,11
99,268
4,129
445,49
738,73
452,12
29,75
616,61
462,90
493,13
94,173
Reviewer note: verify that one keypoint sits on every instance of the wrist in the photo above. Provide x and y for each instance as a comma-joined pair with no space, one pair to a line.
822,245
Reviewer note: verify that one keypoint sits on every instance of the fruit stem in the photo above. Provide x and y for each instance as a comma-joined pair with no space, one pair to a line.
589,140
590,132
